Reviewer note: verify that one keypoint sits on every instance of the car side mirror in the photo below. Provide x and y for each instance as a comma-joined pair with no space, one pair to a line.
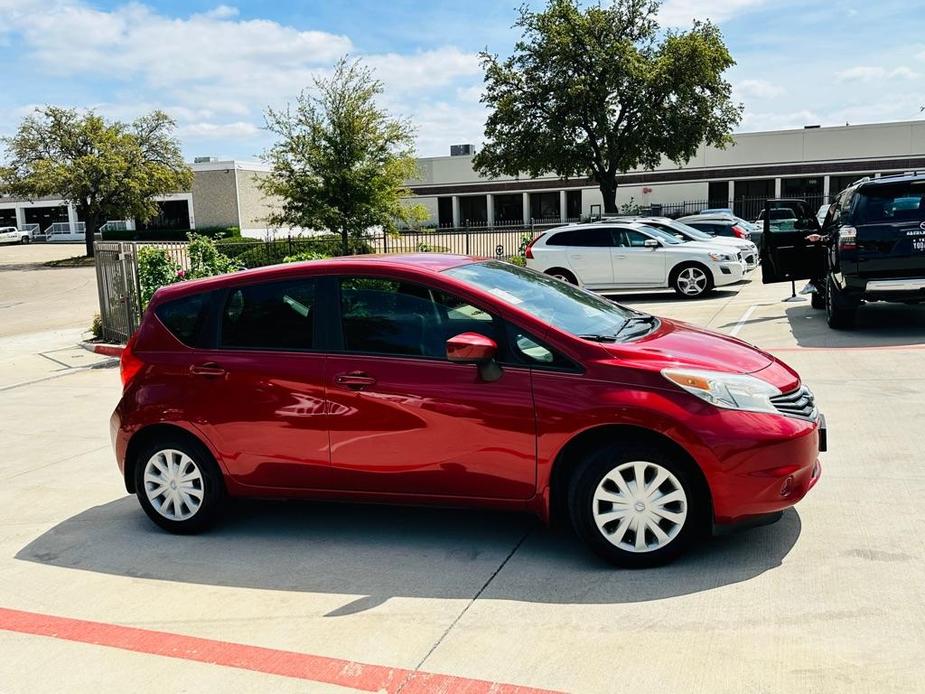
473,348
651,243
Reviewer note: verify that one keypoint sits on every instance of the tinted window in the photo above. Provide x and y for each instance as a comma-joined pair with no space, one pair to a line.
279,315
186,318
596,238
632,238
383,316
902,202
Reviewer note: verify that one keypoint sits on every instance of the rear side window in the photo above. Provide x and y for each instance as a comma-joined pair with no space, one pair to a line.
885,204
274,316
590,238
186,319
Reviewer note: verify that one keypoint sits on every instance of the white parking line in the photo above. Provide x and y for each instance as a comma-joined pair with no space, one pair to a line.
745,316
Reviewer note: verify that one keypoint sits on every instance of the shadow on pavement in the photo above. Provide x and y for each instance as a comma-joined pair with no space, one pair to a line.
878,325
382,551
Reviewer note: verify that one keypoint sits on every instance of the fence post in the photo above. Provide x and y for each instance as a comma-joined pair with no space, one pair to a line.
290,245
467,240
385,241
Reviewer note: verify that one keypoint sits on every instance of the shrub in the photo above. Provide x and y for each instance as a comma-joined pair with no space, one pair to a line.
206,260
172,234
518,260
156,269
305,255
96,327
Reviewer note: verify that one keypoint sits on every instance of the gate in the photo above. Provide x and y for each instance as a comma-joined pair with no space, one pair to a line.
117,280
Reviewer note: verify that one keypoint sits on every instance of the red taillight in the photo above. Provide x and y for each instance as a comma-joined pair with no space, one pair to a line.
847,239
528,251
739,231
129,364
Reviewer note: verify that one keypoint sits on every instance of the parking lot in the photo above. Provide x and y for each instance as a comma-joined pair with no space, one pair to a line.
289,596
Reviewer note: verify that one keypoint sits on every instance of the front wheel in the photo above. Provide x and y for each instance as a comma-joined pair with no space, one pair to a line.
635,506
178,485
24,240
692,281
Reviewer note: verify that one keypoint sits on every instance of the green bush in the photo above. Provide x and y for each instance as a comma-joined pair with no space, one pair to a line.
206,260
518,260
253,253
96,327
156,269
305,255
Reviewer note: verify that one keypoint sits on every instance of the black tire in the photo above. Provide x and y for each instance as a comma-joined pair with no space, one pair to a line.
840,313
211,485
679,272
24,240
562,274
817,298
602,464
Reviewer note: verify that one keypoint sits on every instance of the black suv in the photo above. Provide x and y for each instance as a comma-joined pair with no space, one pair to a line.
872,247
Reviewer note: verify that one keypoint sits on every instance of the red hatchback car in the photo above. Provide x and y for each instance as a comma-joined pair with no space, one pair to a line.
452,380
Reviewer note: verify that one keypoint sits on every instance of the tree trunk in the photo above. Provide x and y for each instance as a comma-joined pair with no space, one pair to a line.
93,224
609,193
345,235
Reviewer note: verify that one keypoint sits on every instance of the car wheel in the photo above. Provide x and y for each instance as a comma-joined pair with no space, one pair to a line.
561,274
636,505
840,313
692,281
24,240
178,485
817,298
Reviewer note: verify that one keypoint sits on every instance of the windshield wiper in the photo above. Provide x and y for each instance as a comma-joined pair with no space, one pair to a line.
599,338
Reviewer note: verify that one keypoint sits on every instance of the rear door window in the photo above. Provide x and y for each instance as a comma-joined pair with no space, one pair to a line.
589,238
272,316
186,319
886,204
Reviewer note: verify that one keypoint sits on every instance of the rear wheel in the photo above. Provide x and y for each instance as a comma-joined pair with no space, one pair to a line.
24,240
840,312
691,281
178,485
562,274
635,505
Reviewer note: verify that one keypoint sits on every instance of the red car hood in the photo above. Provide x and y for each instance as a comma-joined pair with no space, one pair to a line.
679,344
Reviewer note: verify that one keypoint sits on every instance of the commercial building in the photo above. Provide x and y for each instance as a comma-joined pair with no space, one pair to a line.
223,194
813,163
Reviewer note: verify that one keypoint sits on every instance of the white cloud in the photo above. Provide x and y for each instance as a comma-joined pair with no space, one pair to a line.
761,89
868,73
680,13
213,72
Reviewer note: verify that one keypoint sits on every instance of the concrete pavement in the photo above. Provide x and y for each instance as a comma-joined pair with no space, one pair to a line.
827,600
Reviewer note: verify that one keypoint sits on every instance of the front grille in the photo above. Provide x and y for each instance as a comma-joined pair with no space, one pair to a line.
796,403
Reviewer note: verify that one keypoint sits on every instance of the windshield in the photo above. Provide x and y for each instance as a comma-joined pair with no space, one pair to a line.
690,232
662,235
562,305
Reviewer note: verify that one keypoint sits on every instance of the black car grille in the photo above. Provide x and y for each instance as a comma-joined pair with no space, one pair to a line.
796,403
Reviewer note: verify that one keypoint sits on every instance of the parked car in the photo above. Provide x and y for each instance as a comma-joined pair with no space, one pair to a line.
628,255
684,232
782,217
440,379
14,235
720,225
872,249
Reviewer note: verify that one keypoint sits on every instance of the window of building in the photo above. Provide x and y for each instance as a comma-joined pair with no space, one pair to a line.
809,189
509,208
573,205
473,210
544,206
173,214
750,196
718,194
445,211
8,218
383,316
273,316
46,216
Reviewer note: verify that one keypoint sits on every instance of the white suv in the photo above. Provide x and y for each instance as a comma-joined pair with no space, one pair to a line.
629,255
684,232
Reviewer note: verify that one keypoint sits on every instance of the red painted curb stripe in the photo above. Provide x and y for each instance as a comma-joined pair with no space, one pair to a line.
109,350
345,673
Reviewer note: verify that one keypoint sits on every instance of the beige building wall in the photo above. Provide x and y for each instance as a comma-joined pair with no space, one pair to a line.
254,206
215,199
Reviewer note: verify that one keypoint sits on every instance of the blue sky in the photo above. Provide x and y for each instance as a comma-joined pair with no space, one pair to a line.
215,67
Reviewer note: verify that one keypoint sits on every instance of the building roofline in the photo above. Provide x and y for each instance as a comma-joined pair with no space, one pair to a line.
230,165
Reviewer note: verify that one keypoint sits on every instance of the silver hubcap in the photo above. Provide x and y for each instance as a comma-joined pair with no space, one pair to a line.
692,281
640,506
173,484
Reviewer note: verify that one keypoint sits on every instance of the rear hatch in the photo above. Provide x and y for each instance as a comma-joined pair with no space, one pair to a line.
890,223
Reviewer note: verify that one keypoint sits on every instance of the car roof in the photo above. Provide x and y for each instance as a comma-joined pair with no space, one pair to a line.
717,217
889,180
422,262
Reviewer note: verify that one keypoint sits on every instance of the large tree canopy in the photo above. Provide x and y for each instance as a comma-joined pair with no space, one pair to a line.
341,162
108,170
599,91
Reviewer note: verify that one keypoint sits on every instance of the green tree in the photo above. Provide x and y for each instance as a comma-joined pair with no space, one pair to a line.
108,170
599,91
341,162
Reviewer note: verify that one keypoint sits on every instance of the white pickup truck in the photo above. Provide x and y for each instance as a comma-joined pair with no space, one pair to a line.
14,235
